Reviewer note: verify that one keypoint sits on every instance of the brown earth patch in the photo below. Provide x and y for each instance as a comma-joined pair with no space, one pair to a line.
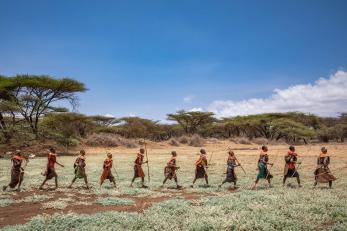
22,212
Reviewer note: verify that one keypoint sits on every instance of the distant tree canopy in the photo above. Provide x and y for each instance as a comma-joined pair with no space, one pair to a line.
192,121
29,97
66,128
273,126
135,127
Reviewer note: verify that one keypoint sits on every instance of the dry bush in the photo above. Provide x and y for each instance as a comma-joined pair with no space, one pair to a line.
102,139
127,142
260,141
213,140
109,140
184,139
277,142
196,141
240,140
174,142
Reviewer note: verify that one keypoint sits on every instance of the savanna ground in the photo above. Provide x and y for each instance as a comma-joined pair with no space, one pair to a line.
198,208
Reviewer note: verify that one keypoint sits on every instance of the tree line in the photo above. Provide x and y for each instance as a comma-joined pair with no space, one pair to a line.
28,113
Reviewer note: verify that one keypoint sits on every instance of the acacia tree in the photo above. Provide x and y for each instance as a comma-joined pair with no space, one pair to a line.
66,128
136,127
35,95
192,121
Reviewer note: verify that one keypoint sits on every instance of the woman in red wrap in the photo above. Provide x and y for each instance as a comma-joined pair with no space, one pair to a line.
17,171
290,168
138,171
50,171
107,171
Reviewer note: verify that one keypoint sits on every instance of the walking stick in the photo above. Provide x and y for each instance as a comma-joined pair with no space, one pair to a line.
296,169
240,166
209,162
268,170
149,177
115,171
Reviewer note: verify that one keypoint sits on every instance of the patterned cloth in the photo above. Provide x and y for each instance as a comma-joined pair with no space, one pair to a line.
170,169
322,172
79,167
290,168
201,164
263,171
17,172
231,176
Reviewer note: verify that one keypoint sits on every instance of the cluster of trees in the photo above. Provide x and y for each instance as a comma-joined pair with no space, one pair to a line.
291,127
28,112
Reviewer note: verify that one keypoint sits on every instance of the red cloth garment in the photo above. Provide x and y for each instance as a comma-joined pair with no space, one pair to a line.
291,165
108,163
106,173
52,158
172,162
19,158
138,171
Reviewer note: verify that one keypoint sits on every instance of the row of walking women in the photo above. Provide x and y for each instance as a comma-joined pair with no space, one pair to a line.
322,173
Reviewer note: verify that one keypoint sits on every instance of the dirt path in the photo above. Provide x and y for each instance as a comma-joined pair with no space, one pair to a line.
22,212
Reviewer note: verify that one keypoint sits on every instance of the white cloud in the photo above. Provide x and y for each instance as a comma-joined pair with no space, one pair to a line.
188,98
109,115
196,109
326,97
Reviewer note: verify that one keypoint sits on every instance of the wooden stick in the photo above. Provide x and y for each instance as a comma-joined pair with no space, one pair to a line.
149,177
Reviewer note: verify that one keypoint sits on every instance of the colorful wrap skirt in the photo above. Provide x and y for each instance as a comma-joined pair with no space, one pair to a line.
323,175
200,172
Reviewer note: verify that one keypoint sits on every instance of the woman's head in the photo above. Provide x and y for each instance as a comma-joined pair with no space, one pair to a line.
264,148
82,152
324,150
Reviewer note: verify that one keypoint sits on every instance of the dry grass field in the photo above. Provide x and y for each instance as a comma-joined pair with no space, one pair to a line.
198,208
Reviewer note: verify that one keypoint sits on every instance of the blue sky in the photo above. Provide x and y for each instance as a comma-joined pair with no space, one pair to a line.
149,58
